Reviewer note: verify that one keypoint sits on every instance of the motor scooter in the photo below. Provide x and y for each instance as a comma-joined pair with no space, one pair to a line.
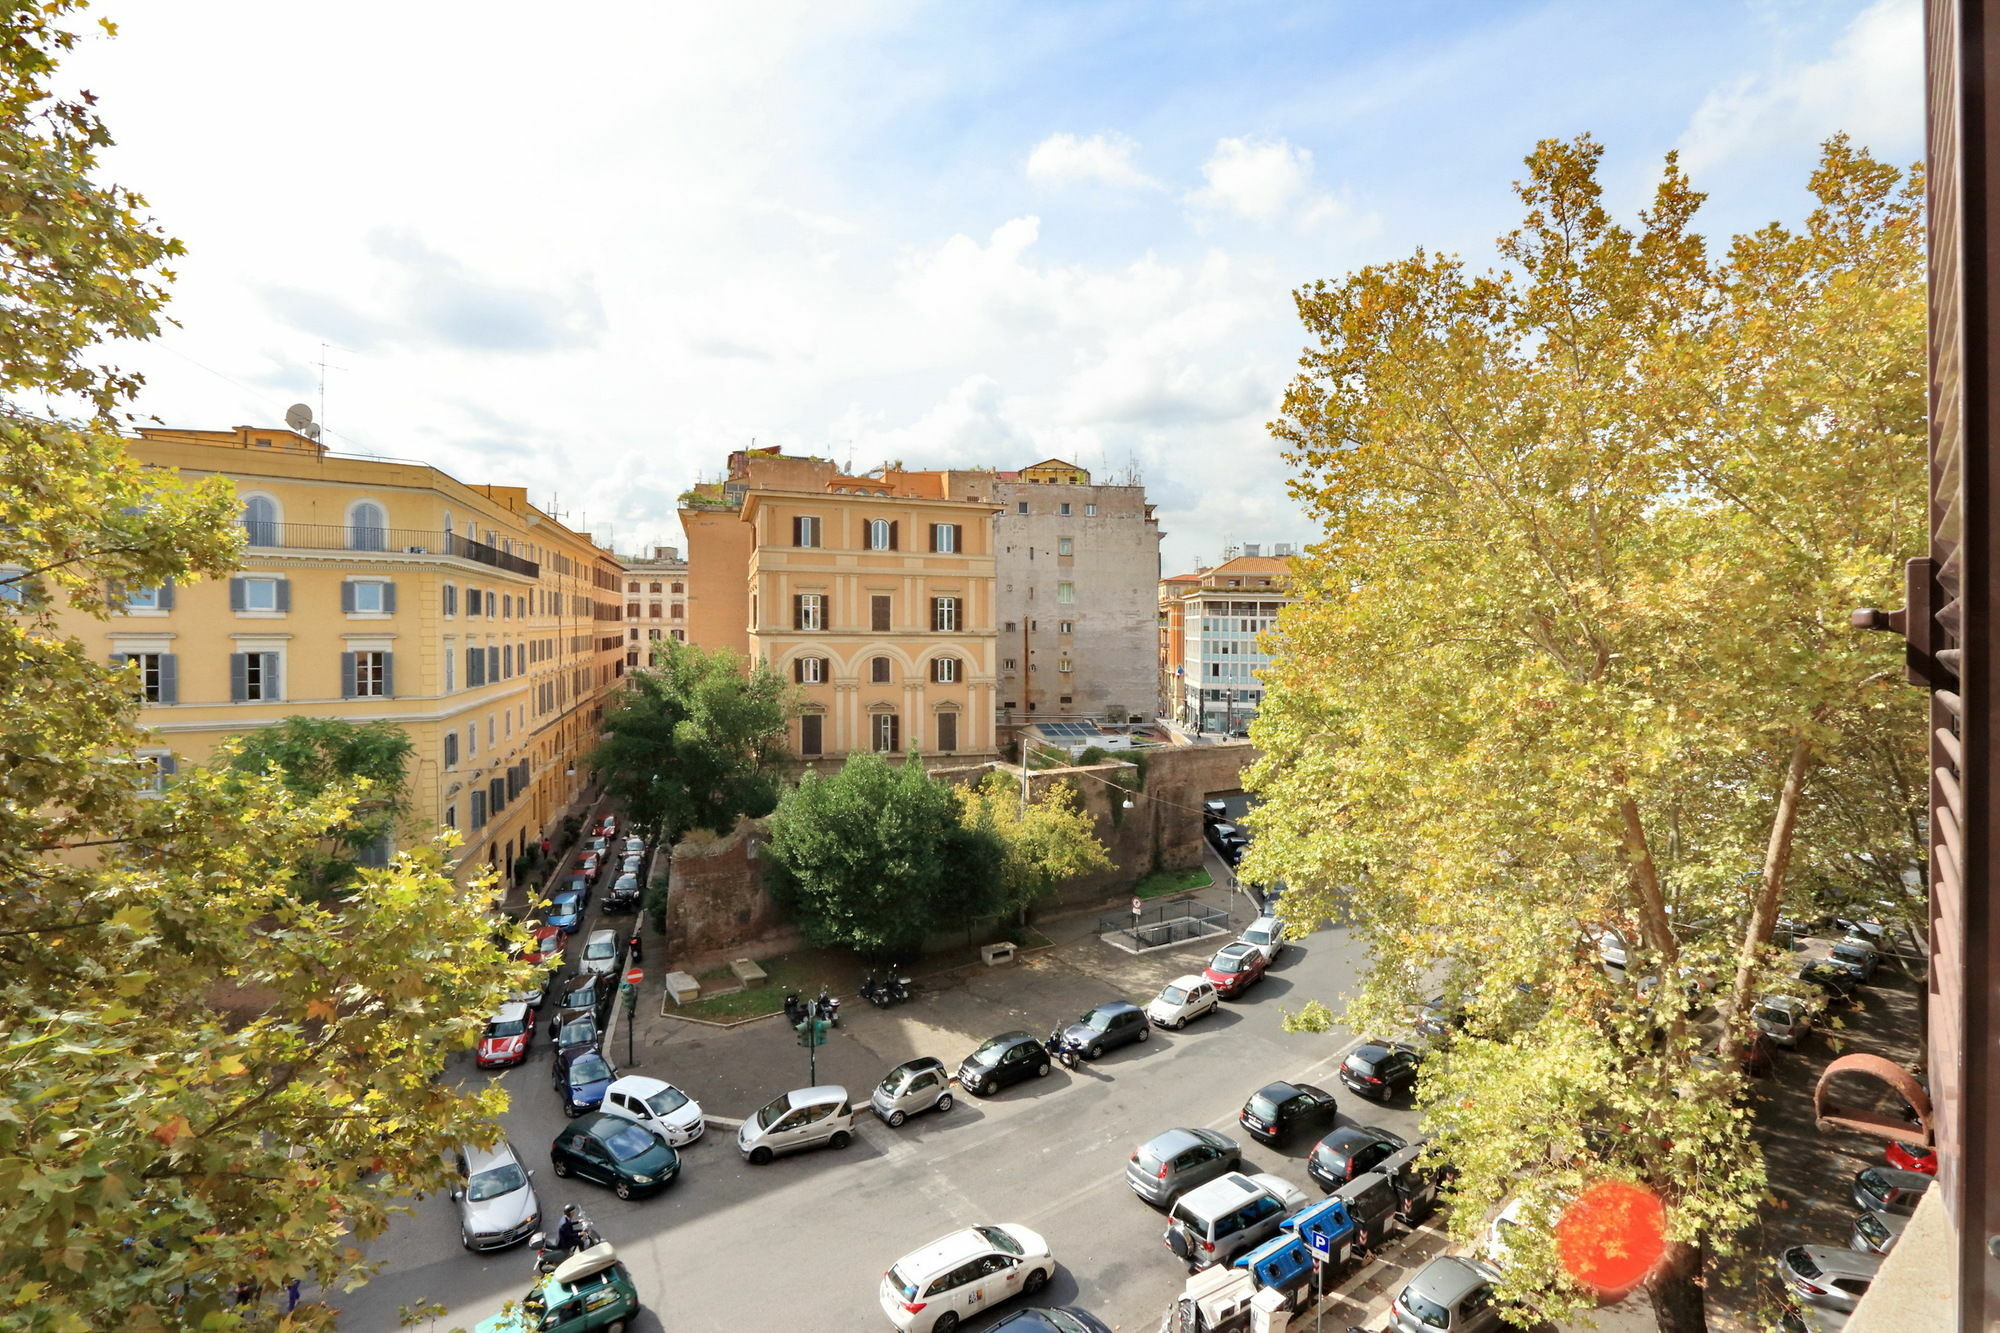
827,1007
1061,1047
549,1256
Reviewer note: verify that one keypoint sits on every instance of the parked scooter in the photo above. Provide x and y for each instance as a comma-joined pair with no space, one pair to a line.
898,988
888,991
827,1007
1061,1047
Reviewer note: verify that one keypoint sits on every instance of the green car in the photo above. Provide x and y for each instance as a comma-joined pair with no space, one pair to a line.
614,1151
589,1292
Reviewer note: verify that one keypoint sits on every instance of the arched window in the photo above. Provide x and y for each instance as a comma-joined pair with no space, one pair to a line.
260,520
367,527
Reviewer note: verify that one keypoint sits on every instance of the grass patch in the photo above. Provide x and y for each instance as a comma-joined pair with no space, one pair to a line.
1164,882
804,972
753,1003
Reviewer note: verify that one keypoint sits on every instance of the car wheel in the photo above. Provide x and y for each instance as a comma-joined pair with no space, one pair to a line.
946,1322
1042,1069
944,1102
1178,1023
760,1156
615,1326
896,1119
1093,1053
560,1166
1145,1033
623,1189
1035,1282
840,1139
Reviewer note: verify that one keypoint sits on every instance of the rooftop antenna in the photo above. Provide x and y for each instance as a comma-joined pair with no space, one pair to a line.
299,418
322,387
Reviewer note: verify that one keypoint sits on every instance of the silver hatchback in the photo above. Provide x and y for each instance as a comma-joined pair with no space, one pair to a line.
496,1199
1169,1165
922,1084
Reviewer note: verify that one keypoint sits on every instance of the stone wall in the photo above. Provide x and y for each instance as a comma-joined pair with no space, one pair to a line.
716,899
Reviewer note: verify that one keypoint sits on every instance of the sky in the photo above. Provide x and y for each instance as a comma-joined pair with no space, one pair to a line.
590,250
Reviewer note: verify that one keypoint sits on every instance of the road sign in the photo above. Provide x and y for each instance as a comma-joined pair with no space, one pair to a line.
1135,907
1322,1247
634,975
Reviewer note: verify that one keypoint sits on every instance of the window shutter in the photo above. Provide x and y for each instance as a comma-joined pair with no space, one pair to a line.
169,765
284,594
798,610
878,607
798,670
937,614
798,531
450,748
346,596
271,690
958,538
170,679
389,597
347,675
937,530
388,675
167,595
492,663
893,525
237,599
239,677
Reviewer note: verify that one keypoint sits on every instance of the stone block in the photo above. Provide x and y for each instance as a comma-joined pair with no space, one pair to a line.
994,954
683,987
748,972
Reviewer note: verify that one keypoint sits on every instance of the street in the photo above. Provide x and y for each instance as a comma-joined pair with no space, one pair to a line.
802,1243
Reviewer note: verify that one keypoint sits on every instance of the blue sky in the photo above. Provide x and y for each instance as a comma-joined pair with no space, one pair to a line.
593,252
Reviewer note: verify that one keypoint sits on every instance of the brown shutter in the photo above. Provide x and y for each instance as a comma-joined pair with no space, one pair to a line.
798,610
879,614
958,538
798,671
934,536
798,531
893,525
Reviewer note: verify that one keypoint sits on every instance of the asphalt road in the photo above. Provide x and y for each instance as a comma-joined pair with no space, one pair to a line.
801,1244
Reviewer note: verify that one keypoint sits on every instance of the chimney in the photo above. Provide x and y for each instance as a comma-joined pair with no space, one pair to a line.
667,554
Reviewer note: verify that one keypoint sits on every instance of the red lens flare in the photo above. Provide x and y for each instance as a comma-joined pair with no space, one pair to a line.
1610,1238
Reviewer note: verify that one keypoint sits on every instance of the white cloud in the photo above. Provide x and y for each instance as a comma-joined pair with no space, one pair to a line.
1870,86
1106,159
1267,181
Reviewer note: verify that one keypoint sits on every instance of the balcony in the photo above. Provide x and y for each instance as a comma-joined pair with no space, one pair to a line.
408,541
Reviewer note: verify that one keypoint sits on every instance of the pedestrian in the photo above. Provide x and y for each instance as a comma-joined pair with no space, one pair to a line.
291,1295
632,947
547,847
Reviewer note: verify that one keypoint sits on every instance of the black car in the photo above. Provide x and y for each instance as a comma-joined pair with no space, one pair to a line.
1277,1111
1836,981
1213,813
1109,1025
579,1034
614,1151
1064,1319
623,897
1889,1190
1001,1061
581,1078
1380,1070
582,997
1353,1150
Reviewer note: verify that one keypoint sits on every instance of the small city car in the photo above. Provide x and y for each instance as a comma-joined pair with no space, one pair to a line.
1831,1278
1277,1111
624,895
586,996
1001,1061
1350,1151
1857,957
935,1289
922,1084
1267,935
635,846
609,828
818,1117
659,1106
1234,969
565,912
1061,1319
1380,1070
495,1195
600,953
579,1034
1168,1165
1783,1019
1229,1216
581,1079
504,1041
1448,1295
587,1293
613,1151
1109,1025
1876,1233
1888,1190
1911,1157
1180,1000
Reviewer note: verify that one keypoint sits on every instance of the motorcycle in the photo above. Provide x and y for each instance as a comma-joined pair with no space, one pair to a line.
827,1007
795,1012
898,988
874,994
1061,1047
549,1256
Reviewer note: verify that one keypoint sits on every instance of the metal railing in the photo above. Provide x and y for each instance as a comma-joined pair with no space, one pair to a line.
364,537
1167,921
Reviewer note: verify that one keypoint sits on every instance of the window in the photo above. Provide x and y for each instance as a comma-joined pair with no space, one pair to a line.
944,614
450,667
472,602
254,593
368,597
878,613
633,634
809,670
1009,664
1064,664
450,749
944,670
1010,627
159,598
680,636
260,520
471,738
810,738
885,732
809,610
451,599
493,668
805,530
1063,509
367,527
475,667
1065,546
506,660
155,767
881,534
947,538
451,816
1065,627
650,634
656,588
878,671
678,589
653,611
1065,593
947,731
1090,511
478,809
1021,507
367,675
632,587
253,677
631,610
158,675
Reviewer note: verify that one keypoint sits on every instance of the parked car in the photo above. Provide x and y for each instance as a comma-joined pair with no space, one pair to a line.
1857,957
658,1105
579,1034
1612,947
505,1039
922,1084
635,846
1107,1027
1229,1216
611,1150
632,864
1221,834
1911,1157
1448,1295
598,844
1785,1019
1266,935
1888,1190
1002,1061
1232,849
1059,1319
1875,1233
1180,1000
545,947
587,865
581,1079
1168,1165
584,996
820,1117
1277,1111
600,953
1234,969
565,912
624,895
1380,1069
497,1205
1350,1151
934,1289
1213,813
1827,1276
1836,982
608,826
1438,1017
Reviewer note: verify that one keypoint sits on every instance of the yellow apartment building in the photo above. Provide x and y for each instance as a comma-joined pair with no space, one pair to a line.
877,603
377,590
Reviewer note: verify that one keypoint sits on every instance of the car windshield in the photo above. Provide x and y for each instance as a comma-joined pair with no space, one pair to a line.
1173,995
666,1101
564,905
1257,935
492,1184
1802,1263
588,1068
772,1113
1872,1228
992,1050
601,948
1097,1018
1262,1103
581,997
506,1027
1228,962
1851,953
1770,1013
628,1142
902,1285
580,1033
999,1240
1429,1311
1361,1064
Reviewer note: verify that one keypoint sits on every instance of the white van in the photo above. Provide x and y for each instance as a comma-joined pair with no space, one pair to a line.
819,1117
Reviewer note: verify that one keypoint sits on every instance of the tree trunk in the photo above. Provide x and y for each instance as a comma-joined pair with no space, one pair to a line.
1654,923
1675,1289
1777,858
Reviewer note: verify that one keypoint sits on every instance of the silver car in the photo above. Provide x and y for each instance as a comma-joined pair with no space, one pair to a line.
922,1084
1448,1295
1785,1019
1835,1279
1876,1233
1169,1165
496,1199
600,954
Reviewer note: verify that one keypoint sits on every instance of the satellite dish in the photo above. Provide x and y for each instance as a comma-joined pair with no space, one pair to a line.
311,432
298,416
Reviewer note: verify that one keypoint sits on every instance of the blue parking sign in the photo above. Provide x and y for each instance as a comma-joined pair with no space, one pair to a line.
1322,1246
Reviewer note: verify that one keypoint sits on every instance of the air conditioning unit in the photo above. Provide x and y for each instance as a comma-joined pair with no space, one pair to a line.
416,550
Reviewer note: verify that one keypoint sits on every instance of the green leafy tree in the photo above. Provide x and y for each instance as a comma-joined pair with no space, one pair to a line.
204,1080
878,856
314,755
1573,655
1042,845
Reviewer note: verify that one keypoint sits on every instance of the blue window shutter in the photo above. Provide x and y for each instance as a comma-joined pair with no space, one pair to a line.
284,594
493,663
450,748
239,681
170,679
388,675
118,660
271,689
237,599
167,595
346,596
388,597
169,765
347,675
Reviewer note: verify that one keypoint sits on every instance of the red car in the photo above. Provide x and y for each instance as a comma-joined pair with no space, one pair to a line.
548,945
1910,1157
505,1040
1234,969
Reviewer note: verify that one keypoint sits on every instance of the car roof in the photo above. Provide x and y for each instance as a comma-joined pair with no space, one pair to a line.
921,1062
597,935
1840,1259
1353,1136
479,1159
511,1012
942,1254
639,1085
1226,1191
1896,1178
1237,947
1277,1092
1263,923
1171,1141
1189,981
1115,1007
825,1092
1446,1279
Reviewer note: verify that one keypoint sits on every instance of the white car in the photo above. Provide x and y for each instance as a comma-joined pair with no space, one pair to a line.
1611,946
600,954
660,1106
635,846
630,865
1180,1000
935,1289
1267,933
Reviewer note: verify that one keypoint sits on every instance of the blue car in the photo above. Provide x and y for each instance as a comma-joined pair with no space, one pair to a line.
582,1078
565,913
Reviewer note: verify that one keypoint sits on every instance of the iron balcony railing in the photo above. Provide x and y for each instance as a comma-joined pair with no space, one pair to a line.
364,537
